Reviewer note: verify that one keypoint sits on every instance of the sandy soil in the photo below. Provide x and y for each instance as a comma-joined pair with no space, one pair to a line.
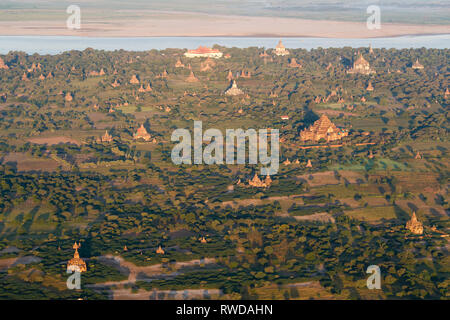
321,217
28,163
319,178
149,24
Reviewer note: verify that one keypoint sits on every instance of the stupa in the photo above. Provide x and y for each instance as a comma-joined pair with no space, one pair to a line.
106,137
323,129
134,80
256,182
369,87
192,78
309,164
179,64
294,64
76,264
68,97
233,90
280,50
414,225
417,65
160,250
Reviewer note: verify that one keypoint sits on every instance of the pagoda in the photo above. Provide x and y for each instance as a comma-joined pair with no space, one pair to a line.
418,156
134,80
148,88
76,264
3,65
309,164
115,84
256,182
192,78
417,65
106,137
160,250
179,64
323,129
414,225
68,97
361,65
142,133
369,87
280,50
294,64
233,90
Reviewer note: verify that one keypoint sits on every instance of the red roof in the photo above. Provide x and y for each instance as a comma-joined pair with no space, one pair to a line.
201,50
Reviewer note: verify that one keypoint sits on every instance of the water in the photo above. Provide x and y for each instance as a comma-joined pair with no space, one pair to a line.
54,44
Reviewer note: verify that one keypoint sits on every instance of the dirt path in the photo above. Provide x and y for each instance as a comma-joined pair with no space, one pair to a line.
128,294
146,273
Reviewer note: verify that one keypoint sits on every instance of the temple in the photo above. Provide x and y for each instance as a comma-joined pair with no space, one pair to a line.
361,65
160,250
323,129
294,64
179,64
203,52
76,264
233,90
280,50
414,225
142,133
192,78
68,97
256,182
417,65
106,137
134,79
